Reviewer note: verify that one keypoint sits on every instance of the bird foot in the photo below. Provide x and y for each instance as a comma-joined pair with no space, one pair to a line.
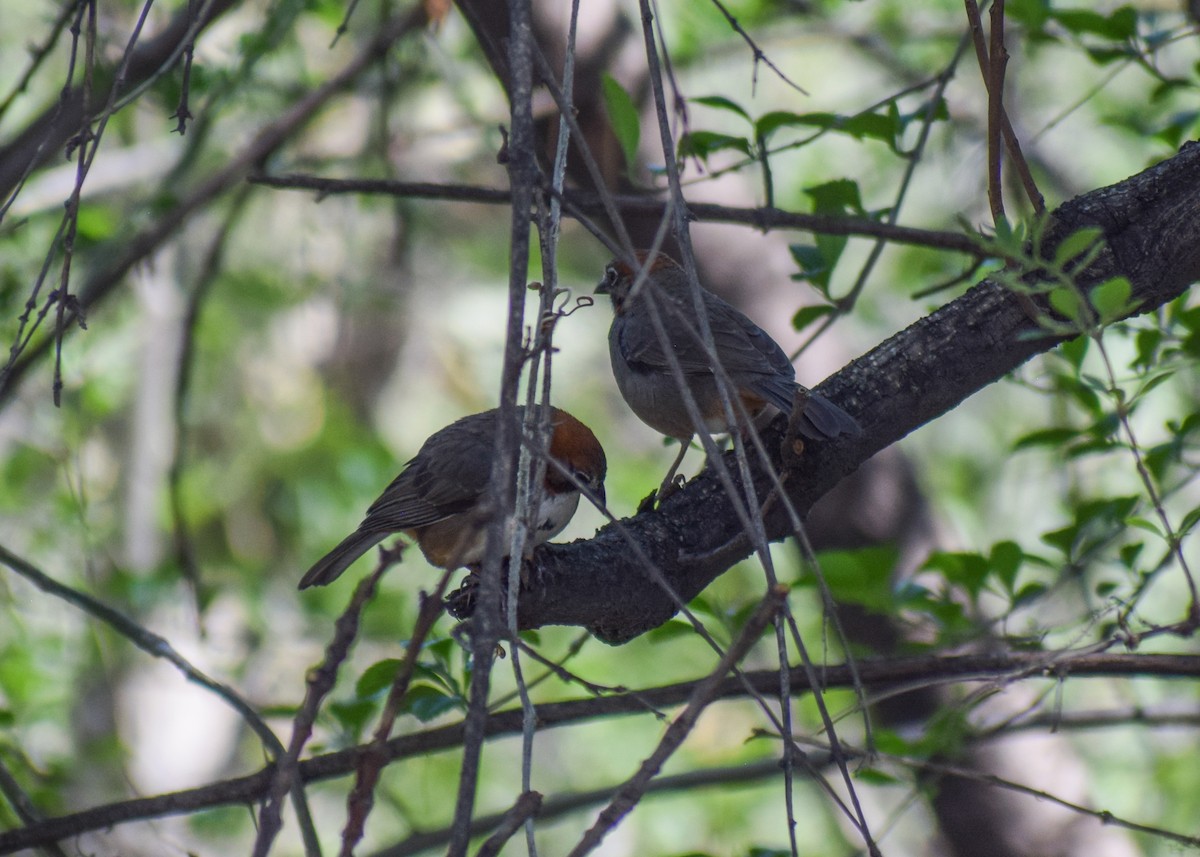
655,498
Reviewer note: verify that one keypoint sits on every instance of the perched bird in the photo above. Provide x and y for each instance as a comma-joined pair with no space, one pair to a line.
760,371
439,497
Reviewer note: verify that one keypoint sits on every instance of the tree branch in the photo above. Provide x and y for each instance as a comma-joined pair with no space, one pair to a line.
1152,226
763,217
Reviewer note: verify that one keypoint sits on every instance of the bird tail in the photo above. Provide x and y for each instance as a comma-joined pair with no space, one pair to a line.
329,567
822,419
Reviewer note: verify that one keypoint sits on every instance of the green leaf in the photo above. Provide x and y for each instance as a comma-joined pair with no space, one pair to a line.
1053,437
1129,554
1160,377
353,716
836,197
1032,13
1006,559
701,144
623,116
876,777
1144,524
720,102
377,677
671,630
814,267
860,576
769,123
1111,298
810,314
1147,343
426,702
1076,244
966,569
1075,350
879,126
1067,303
1029,592
1189,521
1118,26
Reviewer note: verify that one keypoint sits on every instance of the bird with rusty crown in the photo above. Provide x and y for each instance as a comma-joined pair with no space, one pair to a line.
759,370
439,499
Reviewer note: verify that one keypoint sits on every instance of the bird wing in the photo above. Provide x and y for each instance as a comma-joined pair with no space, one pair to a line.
447,477
748,354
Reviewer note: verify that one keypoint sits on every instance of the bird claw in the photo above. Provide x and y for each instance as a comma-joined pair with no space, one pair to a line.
655,498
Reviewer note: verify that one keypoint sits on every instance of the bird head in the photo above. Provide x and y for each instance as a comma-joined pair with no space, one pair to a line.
619,275
574,446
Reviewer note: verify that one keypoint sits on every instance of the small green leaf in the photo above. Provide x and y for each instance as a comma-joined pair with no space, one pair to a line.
352,716
1147,343
378,676
1076,244
1160,377
876,777
814,267
671,630
1006,558
701,144
810,314
836,197
1111,298
1053,437
1118,26
1144,524
1067,303
1032,13
1029,592
1129,554
1075,350
964,568
769,123
860,576
720,102
426,702
1189,521
623,116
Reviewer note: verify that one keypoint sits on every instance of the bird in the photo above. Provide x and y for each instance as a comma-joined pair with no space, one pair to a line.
757,367
440,497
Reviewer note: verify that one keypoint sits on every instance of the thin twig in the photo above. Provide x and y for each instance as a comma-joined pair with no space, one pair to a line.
997,63
23,806
563,804
374,757
705,692
320,682
762,219
487,623
759,55
522,812
142,638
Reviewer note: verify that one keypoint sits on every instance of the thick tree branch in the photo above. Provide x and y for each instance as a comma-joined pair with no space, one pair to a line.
1152,226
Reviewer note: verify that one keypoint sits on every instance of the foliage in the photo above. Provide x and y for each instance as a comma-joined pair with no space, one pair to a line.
251,365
